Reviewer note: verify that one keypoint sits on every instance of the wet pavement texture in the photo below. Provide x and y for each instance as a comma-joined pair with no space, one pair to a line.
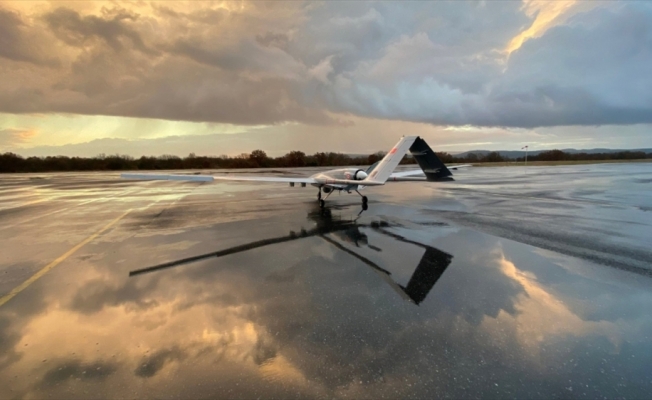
509,282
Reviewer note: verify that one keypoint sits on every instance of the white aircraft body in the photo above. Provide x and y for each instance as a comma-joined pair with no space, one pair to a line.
347,179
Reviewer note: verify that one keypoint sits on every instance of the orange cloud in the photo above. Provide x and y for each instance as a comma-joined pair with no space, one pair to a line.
543,314
547,14
13,136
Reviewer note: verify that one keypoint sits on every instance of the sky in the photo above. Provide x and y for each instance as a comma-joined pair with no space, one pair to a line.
212,78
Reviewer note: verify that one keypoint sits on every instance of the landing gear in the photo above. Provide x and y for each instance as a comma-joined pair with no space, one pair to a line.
321,201
364,203
364,199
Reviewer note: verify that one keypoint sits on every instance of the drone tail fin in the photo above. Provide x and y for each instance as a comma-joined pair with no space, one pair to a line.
386,166
431,165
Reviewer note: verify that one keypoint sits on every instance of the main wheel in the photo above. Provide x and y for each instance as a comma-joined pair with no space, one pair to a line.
364,199
364,206
322,203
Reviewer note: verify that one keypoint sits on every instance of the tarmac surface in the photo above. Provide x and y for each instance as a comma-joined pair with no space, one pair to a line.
509,282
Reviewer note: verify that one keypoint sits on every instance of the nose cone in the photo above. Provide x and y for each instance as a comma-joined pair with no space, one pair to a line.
360,175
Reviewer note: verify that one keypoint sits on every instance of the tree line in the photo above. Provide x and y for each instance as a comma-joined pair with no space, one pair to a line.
548,155
10,162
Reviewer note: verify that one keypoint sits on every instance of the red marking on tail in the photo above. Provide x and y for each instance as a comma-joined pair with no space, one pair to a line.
393,151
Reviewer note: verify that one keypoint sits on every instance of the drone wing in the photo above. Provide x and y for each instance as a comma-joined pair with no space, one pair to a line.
320,181
264,179
272,179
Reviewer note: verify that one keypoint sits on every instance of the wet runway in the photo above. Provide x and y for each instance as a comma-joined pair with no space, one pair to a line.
509,282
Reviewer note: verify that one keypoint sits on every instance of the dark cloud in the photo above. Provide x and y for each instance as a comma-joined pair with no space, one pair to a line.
360,34
279,40
151,365
206,16
264,350
77,370
437,63
11,37
199,79
16,42
112,28
577,74
248,55
593,71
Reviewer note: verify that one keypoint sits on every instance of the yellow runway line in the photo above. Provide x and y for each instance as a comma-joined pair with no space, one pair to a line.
58,261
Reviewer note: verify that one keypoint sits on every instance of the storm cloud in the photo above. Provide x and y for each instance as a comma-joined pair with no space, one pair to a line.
443,63
17,42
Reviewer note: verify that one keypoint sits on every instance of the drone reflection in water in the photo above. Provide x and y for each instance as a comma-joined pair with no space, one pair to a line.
430,268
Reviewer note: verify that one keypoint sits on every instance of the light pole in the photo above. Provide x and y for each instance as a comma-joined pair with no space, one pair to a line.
525,147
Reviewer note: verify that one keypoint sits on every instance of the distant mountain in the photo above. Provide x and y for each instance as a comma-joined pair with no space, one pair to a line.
521,153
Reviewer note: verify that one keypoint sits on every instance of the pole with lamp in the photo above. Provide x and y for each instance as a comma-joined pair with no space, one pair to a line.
525,147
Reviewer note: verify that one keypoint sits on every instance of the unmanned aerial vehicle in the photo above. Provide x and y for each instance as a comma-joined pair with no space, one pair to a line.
347,179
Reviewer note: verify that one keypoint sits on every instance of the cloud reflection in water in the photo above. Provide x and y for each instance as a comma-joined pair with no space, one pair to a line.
308,318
